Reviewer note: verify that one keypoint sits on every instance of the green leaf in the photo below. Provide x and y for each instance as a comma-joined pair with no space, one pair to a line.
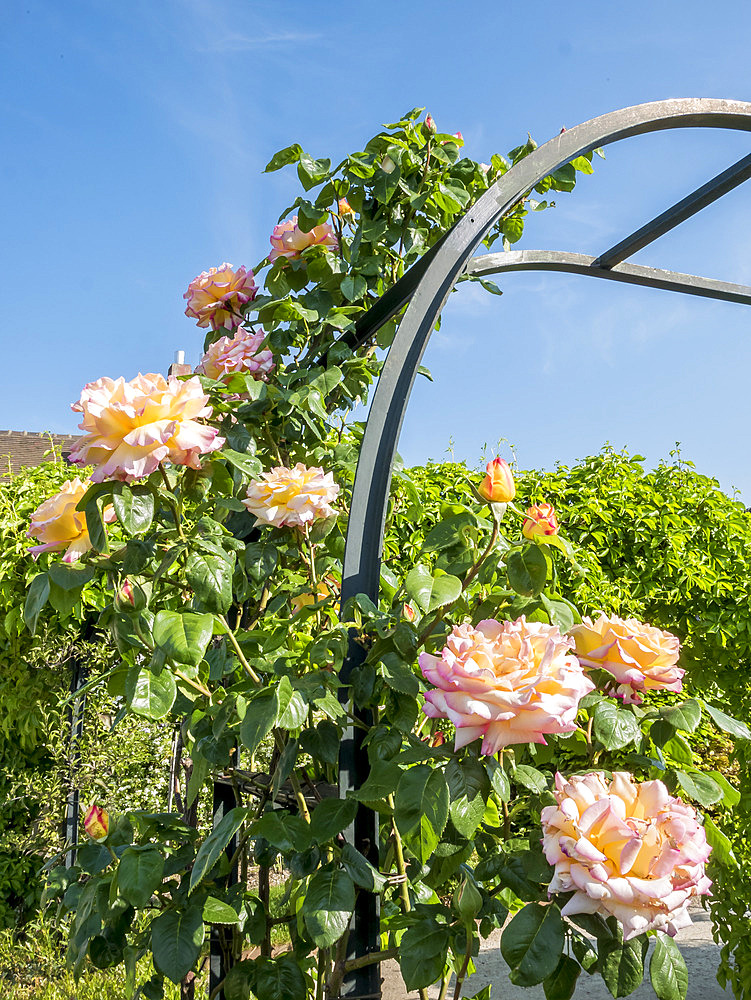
469,787
149,694
667,970
622,967
731,795
330,817
445,590
582,164
260,560
498,779
422,953
722,849
700,787
210,576
381,782
70,577
527,570
216,911
354,287
561,983
278,979
36,598
285,832
260,717
328,905
398,675
247,464
615,727
532,943
183,636
685,716
176,940
728,725
95,526
290,154
211,849
421,809
361,871
134,507
418,585
531,778
139,874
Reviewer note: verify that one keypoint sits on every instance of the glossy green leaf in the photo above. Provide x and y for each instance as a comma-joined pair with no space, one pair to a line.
216,911
36,598
667,970
422,955
727,724
328,905
134,507
532,943
140,874
622,965
421,808
615,727
527,570
210,576
183,636
561,983
685,716
176,941
149,694
211,849
700,787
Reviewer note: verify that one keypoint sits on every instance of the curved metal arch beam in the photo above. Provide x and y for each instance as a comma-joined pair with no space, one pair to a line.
362,557
632,274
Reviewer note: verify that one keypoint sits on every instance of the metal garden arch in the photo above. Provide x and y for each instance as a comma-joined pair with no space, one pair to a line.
426,287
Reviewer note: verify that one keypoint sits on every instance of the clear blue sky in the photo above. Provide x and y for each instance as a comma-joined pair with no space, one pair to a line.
134,141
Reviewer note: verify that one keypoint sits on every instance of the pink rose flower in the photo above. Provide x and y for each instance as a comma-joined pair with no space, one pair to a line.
240,353
640,657
288,240
292,497
58,525
130,428
628,850
509,682
217,296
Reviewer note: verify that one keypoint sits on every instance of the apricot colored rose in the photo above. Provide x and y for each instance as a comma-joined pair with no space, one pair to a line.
626,849
498,485
640,657
540,521
508,682
239,354
96,823
217,296
130,428
58,525
292,497
288,240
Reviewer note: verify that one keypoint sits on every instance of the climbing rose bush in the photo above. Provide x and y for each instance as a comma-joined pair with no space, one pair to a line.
240,354
288,240
626,849
130,428
217,297
508,682
640,657
292,497
59,526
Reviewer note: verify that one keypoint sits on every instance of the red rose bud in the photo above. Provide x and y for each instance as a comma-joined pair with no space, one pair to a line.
439,738
96,823
540,521
498,485
430,124
125,594
409,612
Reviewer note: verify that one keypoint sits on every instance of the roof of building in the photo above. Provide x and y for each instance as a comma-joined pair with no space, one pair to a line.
23,448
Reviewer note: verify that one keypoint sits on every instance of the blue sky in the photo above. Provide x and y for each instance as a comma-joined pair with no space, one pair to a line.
135,139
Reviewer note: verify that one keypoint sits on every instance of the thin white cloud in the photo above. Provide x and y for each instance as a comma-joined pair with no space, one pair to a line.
246,43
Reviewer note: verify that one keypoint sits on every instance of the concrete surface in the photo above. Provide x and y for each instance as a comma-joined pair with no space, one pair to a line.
699,950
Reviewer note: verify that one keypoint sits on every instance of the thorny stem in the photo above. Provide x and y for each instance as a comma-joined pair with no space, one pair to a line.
370,959
240,655
467,581
461,975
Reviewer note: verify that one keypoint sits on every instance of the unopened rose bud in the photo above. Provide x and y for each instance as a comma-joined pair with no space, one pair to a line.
96,823
498,485
430,124
409,612
344,207
459,137
540,521
125,594
438,739
387,165
466,901
130,596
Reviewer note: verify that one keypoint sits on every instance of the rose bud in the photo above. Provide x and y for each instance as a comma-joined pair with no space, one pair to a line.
430,124
498,485
439,738
408,612
540,520
344,207
387,165
96,823
466,901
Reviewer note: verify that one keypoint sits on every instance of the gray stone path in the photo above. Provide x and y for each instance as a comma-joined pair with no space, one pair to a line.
696,944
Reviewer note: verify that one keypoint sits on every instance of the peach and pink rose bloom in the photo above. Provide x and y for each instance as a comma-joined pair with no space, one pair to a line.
640,657
288,240
292,497
216,297
507,682
240,354
130,428
540,521
626,849
58,525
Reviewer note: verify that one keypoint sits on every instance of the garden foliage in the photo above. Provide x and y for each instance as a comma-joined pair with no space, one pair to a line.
228,625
